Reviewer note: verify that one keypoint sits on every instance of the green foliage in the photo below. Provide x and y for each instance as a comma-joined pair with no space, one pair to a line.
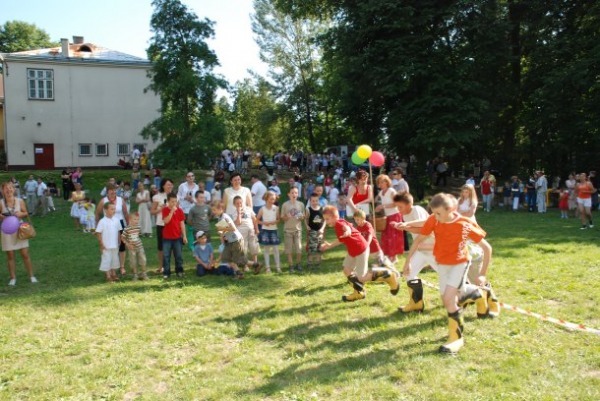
516,80
181,75
18,36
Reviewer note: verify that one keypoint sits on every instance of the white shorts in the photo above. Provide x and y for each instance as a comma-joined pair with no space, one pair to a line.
419,261
585,202
109,259
452,275
359,264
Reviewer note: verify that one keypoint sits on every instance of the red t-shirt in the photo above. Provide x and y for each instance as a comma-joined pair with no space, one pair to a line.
451,238
365,230
486,187
355,243
172,230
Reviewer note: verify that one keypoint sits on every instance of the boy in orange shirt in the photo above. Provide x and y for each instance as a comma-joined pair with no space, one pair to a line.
452,233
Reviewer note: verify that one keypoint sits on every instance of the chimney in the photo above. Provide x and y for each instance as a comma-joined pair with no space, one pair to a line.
64,43
78,40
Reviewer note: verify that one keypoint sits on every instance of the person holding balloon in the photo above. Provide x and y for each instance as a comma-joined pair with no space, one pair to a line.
13,212
360,195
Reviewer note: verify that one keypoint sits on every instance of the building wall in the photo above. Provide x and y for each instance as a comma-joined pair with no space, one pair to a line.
93,103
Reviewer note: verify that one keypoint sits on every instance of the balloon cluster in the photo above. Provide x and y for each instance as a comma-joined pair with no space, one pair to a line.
364,152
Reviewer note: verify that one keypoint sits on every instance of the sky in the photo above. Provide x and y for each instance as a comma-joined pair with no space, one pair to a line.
124,25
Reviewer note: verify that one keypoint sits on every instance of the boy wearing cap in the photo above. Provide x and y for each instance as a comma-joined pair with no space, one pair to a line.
204,255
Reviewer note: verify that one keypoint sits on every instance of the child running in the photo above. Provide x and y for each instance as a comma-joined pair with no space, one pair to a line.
368,232
268,217
452,232
355,266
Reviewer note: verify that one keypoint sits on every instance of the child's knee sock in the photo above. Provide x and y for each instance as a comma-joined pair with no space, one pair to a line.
266,251
276,256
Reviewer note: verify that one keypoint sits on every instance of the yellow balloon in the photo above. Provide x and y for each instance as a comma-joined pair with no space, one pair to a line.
364,151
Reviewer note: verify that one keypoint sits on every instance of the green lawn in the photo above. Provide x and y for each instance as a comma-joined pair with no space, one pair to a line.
289,337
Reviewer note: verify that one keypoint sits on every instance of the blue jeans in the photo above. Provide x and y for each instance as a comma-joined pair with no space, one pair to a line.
176,246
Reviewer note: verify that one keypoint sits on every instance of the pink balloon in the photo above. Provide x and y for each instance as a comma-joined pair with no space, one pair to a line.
10,225
377,159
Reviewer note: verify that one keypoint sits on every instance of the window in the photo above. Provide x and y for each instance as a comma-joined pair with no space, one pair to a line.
40,84
140,146
122,149
85,149
101,149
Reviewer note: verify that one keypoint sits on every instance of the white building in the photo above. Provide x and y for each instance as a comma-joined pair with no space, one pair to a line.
76,105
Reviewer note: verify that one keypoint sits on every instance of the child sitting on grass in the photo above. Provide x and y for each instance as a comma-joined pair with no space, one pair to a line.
135,247
203,253
109,240
233,248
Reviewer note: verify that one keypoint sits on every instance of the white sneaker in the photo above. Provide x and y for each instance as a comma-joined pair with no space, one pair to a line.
12,282
33,279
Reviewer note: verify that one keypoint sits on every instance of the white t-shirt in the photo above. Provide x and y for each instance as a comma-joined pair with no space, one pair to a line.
159,198
109,228
258,192
184,190
332,195
416,214
242,192
41,188
388,198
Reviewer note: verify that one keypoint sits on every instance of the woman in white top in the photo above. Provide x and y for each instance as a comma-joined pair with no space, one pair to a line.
392,240
142,198
467,202
236,189
14,206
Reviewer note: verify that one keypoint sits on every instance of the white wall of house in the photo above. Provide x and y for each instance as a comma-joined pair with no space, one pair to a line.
94,103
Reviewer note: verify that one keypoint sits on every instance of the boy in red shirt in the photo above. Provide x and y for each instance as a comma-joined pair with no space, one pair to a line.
452,233
356,267
174,236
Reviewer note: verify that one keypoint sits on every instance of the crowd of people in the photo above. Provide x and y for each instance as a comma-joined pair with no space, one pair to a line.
253,218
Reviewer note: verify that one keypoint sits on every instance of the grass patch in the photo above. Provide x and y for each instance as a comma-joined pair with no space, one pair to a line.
289,337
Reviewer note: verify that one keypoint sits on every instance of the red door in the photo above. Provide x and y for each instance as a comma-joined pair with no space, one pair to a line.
44,156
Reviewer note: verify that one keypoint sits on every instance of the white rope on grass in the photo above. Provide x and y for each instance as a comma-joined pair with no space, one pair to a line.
545,318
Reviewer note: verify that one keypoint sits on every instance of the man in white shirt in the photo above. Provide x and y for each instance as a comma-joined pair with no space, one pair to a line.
30,189
41,196
258,191
399,183
541,187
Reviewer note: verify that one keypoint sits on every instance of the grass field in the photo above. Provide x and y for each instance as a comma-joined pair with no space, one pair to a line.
289,337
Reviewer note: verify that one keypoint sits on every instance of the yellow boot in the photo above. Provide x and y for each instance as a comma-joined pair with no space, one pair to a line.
359,290
415,303
455,333
492,300
387,275
477,297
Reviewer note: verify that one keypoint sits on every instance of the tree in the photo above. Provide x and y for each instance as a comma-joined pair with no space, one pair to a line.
17,36
181,75
289,47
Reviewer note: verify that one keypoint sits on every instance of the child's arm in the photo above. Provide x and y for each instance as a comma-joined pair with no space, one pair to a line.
413,249
487,258
328,245
183,231
99,236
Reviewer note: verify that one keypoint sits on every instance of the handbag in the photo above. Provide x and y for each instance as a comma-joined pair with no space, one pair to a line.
380,223
26,231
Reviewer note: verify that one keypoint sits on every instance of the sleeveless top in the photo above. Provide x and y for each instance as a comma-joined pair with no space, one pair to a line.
269,215
358,197
315,218
243,193
119,208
